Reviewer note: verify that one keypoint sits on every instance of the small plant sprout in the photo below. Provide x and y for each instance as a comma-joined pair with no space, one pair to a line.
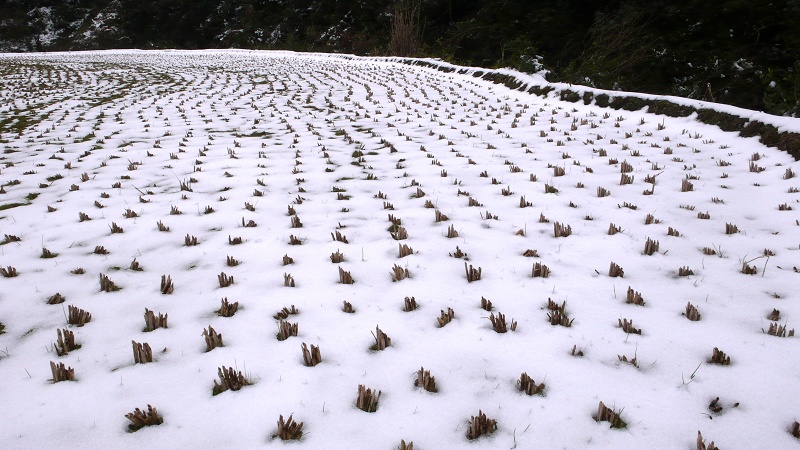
528,386
229,380
367,399
288,430
480,425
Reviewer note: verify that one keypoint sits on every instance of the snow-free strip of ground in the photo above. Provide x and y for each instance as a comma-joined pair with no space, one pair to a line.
99,148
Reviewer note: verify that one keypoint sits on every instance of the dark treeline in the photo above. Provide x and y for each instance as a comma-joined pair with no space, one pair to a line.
748,51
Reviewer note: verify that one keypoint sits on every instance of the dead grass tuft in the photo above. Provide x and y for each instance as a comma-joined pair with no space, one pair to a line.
691,313
77,316
719,357
151,321
140,419
212,339
224,280
65,343
627,326
776,329
227,309
425,380
230,380
286,330
472,274
345,277
367,399
399,273
528,386
142,353
615,271
605,414
560,230
381,340
106,285
311,357
499,324
540,270
701,445
289,430
480,425
445,317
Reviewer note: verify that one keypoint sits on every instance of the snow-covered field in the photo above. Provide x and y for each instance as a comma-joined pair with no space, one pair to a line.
116,159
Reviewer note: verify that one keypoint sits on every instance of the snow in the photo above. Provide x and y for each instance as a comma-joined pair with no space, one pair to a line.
174,116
